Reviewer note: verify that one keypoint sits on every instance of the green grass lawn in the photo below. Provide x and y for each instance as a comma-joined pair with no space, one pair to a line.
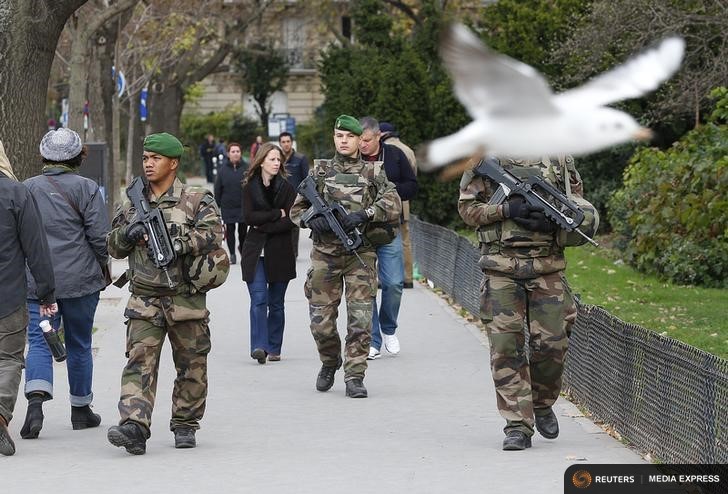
697,316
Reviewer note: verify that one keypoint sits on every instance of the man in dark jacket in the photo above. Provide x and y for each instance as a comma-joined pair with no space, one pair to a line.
207,152
74,214
22,239
390,260
228,194
296,165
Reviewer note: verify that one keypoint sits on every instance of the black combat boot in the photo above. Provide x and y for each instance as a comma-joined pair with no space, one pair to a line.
184,437
516,441
325,378
129,435
355,388
83,418
547,425
34,416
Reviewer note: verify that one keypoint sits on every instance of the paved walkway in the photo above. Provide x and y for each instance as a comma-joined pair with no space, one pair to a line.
429,425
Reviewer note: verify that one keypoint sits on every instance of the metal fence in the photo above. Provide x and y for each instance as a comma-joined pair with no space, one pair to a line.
665,397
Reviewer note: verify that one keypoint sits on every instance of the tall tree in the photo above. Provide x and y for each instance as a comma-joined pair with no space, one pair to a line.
201,47
85,31
29,32
263,70
616,29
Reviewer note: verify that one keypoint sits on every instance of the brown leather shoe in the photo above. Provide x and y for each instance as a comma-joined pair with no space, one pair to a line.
274,358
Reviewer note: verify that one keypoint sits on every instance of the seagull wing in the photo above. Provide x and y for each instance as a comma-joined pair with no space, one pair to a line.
488,83
637,76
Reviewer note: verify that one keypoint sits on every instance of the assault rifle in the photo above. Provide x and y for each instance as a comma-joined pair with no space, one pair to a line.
161,249
319,206
537,192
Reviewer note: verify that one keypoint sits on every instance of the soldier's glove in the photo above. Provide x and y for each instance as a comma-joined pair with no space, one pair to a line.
319,225
517,207
134,233
537,222
352,220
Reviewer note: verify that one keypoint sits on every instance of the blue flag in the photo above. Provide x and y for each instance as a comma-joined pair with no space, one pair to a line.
143,105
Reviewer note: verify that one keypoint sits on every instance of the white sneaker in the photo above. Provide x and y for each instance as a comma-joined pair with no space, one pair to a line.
391,343
374,353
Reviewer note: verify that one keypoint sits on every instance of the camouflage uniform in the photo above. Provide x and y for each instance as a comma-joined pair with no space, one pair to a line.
356,185
524,285
155,310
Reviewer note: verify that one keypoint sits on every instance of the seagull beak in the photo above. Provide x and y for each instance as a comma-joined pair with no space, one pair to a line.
643,134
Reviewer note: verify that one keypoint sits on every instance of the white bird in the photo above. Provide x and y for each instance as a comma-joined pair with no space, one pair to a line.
515,113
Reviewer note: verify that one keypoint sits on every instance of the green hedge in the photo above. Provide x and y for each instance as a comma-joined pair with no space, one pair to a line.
231,125
672,213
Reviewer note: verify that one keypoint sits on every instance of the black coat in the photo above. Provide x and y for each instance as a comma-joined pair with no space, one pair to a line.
268,230
228,191
22,238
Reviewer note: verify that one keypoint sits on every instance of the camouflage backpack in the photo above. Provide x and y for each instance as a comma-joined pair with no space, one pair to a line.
376,233
210,269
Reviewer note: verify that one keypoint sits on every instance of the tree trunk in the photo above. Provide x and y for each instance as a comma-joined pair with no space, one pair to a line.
131,135
29,33
165,108
87,33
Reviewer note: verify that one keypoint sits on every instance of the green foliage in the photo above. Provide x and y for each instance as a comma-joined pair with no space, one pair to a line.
672,214
528,31
437,202
720,114
372,24
602,176
314,139
229,125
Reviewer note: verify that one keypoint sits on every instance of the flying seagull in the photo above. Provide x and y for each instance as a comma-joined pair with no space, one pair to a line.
515,113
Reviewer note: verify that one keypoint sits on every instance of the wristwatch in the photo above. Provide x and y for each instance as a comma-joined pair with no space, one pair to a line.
370,212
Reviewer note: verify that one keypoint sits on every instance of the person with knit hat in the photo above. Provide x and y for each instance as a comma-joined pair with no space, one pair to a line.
22,241
169,303
363,190
76,223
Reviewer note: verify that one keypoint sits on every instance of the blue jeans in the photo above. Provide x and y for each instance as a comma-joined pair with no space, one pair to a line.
391,276
267,315
78,320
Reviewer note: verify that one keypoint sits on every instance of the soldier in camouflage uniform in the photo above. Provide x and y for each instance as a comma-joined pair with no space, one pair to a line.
363,190
522,258
171,304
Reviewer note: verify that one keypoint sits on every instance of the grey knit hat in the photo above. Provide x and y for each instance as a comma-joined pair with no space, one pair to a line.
60,145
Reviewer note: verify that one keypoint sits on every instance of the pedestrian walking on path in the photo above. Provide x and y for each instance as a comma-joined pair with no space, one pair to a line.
76,223
229,196
363,190
268,261
522,258
169,303
22,242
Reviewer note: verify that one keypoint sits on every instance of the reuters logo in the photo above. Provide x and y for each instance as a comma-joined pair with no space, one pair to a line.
581,479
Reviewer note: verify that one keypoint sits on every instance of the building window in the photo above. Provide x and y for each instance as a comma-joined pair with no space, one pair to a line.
346,27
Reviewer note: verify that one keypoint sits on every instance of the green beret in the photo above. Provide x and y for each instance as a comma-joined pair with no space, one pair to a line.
164,144
347,122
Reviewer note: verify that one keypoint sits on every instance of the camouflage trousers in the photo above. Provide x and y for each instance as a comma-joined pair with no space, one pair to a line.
324,287
527,378
190,342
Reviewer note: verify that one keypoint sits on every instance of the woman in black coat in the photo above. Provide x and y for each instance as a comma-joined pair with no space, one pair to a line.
230,198
268,261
